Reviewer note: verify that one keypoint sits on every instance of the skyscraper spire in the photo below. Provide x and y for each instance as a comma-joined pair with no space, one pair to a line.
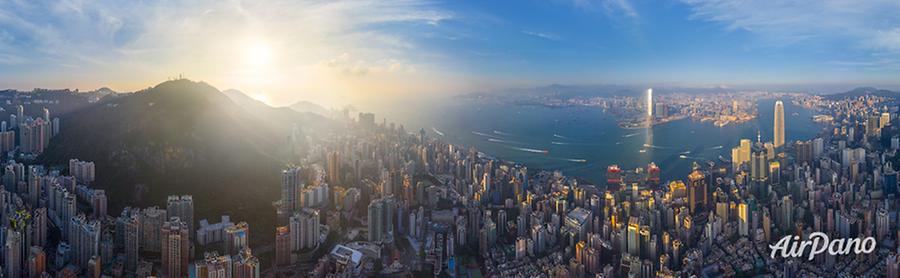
758,136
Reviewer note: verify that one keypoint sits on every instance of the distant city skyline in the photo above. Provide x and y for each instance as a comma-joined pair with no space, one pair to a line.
363,50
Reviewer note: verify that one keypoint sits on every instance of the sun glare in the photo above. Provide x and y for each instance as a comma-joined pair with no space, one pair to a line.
260,97
257,54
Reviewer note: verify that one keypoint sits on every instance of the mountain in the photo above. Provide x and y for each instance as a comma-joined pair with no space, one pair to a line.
59,102
104,91
862,91
309,107
185,137
242,99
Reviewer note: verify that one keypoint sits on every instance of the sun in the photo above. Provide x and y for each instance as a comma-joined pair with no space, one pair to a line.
257,54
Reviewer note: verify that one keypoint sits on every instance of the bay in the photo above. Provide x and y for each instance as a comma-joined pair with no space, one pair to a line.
583,141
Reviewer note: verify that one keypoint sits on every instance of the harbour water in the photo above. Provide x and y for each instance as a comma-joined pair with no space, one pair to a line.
583,141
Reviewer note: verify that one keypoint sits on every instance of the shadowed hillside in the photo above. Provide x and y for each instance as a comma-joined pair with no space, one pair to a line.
184,137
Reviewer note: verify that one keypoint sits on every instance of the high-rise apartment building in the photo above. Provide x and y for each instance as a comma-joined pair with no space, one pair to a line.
83,171
237,237
183,208
175,247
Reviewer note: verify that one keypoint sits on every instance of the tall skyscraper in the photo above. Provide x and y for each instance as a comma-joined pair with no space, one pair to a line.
20,113
13,263
304,229
98,203
183,208
759,164
291,185
152,220
697,191
83,171
334,168
650,102
132,239
37,261
376,210
779,124
39,227
282,246
84,236
175,247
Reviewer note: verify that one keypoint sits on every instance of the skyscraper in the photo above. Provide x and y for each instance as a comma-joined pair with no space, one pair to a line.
13,264
376,220
304,229
83,171
214,265
175,247
183,208
650,102
84,235
779,124
246,265
282,246
334,167
237,237
132,239
20,112
291,184
152,220
37,261
759,164
696,191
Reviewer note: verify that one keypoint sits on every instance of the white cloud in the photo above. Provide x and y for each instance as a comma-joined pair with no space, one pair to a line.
868,25
546,36
610,7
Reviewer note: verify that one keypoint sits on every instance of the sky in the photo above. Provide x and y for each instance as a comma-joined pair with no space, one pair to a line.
339,52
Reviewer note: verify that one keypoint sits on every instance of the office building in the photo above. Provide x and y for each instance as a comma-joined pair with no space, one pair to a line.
778,132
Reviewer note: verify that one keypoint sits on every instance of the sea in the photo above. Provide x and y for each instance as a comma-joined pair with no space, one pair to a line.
583,141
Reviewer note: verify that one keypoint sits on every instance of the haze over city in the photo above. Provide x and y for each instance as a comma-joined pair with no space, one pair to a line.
335,53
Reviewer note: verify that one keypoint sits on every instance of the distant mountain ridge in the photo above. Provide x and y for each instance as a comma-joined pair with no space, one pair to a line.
862,91
588,91
310,107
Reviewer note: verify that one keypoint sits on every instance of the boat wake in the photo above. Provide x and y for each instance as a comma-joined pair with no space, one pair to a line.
438,132
502,133
717,147
629,135
484,134
530,150
560,136
653,146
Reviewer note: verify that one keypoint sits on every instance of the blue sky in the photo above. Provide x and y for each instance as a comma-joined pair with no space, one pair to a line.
327,51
